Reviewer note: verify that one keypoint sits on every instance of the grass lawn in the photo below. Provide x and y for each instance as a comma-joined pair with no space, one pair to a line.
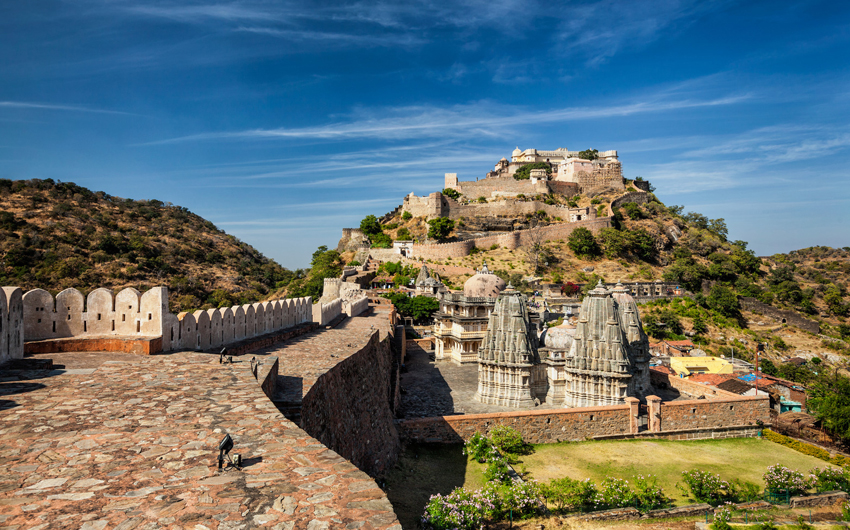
743,458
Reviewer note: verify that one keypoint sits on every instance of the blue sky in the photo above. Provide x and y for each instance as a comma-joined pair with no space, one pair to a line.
283,122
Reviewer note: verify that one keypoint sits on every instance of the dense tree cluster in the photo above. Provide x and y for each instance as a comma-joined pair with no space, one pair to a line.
524,173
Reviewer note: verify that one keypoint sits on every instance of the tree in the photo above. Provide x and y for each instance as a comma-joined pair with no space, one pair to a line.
767,366
406,216
535,250
404,234
381,241
582,243
718,228
451,192
724,301
440,228
370,226
524,173
700,328
589,154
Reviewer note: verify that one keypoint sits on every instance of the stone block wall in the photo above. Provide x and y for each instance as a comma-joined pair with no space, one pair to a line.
637,197
323,313
353,308
144,316
510,240
487,187
11,324
349,408
705,414
780,315
696,419
545,426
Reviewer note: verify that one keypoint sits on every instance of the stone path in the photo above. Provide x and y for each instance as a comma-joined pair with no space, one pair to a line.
133,445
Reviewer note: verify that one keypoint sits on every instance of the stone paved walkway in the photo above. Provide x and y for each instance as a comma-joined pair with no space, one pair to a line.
133,445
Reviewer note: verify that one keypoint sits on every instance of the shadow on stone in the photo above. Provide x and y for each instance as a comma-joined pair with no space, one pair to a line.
425,392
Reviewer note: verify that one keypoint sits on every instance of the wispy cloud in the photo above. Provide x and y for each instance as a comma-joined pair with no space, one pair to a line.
459,121
48,106
599,30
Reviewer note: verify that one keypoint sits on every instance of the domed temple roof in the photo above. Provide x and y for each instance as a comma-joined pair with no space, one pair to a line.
558,337
483,284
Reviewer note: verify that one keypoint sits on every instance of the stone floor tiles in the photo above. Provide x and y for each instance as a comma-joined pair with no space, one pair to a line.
134,445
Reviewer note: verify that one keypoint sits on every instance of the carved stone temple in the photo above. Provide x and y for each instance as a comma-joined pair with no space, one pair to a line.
601,361
508,354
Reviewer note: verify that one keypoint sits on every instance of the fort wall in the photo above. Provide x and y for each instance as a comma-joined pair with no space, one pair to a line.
11,324
694,419
637,197
325,313
780,315
131,314
349,407
509,240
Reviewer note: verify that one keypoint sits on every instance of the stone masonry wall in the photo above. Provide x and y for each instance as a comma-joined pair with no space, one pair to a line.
510,240
788,317
485,188
545,426
637,197
349,408
696,419
11,324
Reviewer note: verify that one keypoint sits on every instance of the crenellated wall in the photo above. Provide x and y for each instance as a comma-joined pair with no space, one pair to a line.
11,324
324,313
131,314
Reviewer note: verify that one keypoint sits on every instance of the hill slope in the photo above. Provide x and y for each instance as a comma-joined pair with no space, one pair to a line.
59,235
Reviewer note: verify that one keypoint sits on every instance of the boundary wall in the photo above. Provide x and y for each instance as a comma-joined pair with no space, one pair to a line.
324,314
11,324
509,240
780,315
692,419
131,314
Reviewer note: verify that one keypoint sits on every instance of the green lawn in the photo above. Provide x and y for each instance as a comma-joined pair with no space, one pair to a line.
743,458
426,469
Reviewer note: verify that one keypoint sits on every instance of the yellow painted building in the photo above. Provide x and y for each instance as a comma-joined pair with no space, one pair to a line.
700,365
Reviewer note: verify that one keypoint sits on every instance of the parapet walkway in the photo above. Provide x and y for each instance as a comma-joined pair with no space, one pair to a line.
134,445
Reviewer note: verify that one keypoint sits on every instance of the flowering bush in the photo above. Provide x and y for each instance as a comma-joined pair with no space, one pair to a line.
830,479
705,487
845,512
509,440
613,493
570,495
478,447
782,479
518,499
648,495
497,470
461,509
722,516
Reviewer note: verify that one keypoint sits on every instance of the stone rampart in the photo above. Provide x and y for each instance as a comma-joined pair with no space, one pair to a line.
509,240
349,407
780,315
11,324
508,185
352,308
131,314
637,197
324,313
714,413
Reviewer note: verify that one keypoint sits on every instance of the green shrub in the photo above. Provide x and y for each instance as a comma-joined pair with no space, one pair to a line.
407,216
509,440
569,495
451,192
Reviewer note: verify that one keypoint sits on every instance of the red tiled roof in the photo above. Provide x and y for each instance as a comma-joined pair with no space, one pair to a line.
711,379
663,369
680,343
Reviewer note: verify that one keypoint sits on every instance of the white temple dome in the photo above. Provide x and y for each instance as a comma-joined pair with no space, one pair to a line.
516,152
559,337
483,284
